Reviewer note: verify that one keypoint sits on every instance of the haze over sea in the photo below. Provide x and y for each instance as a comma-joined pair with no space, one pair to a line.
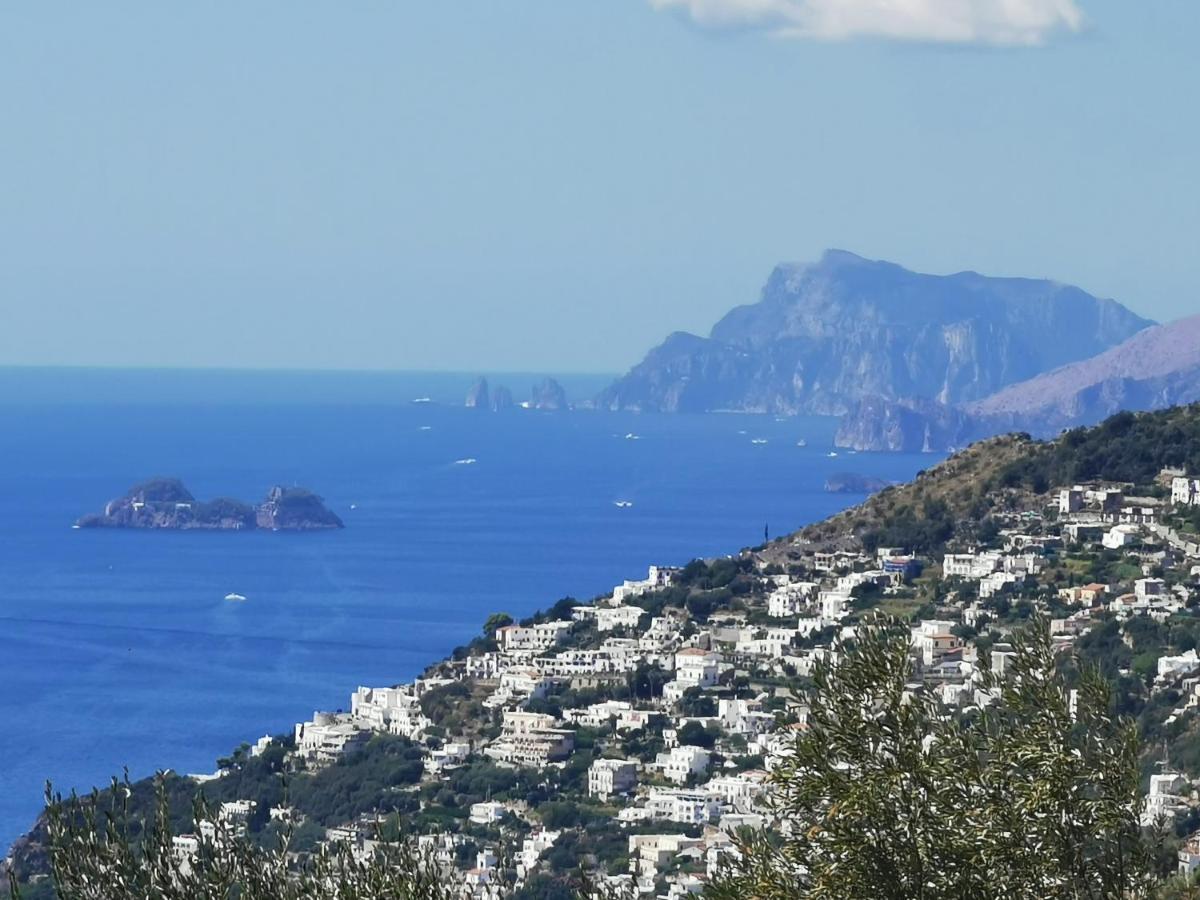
117,648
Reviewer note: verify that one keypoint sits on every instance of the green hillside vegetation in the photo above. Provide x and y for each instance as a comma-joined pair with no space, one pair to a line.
1005,473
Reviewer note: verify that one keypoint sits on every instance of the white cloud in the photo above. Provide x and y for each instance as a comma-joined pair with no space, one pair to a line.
997,22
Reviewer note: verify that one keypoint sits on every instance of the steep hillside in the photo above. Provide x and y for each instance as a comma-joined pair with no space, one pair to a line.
1005,472
826,335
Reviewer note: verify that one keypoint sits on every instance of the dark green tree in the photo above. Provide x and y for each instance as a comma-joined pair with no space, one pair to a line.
101,851
888,795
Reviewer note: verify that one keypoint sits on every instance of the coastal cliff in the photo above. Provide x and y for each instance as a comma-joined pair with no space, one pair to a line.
166,504
912,426
1156,368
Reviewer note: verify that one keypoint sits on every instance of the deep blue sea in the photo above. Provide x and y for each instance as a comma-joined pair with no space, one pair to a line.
118,648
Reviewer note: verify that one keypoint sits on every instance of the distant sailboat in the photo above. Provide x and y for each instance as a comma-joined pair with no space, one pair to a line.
802,443
831,454
235,598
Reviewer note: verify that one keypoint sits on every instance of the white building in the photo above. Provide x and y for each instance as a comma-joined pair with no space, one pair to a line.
680,763
395,710
833,605
532,849
530,739
738,791
184,850
328,737
932,639
696,667
1170,667
610,618
1185,491
607,777
1147,588
650,852
768,642
1121,536
790,599
598,714
535,638
526,684
744,717
657,577
997,583
1165,798
662,635
488,813
695,807
972,566
1189,855
449,756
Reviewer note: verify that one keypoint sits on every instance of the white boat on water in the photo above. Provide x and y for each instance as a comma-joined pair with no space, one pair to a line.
422,400
469,461
622,504
831,454
425,428
633,437
802,443
235,598
759,441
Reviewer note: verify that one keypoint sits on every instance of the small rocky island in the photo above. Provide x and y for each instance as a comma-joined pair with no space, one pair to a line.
165,503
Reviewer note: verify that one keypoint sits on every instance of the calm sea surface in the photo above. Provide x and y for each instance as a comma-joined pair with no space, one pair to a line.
117,648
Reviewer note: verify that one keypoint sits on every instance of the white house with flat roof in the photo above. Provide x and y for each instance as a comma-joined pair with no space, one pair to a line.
607,777
696,667
680,763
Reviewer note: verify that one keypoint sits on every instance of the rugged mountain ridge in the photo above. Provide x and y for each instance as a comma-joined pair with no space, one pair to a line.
1156,368
825,336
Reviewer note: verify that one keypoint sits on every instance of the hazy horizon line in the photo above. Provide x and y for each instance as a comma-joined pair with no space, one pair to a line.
332,370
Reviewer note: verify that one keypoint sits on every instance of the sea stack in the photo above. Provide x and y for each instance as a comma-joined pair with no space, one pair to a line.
477,396
549,394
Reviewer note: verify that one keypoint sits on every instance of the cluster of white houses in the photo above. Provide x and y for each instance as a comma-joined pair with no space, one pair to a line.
688,799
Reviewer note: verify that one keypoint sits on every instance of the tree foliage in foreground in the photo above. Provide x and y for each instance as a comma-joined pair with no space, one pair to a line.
886,796
95,854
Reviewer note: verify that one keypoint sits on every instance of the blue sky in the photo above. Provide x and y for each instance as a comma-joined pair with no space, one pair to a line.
556,184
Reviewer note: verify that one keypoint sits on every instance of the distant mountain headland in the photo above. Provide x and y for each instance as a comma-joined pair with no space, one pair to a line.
900,353
164,503
827,335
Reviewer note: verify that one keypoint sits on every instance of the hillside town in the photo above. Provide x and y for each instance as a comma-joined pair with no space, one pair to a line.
634,735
